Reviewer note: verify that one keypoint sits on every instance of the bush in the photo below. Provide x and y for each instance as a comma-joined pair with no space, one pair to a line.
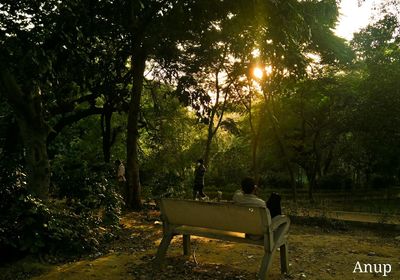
75,178
162,184
276,180
336,181
378,181
29,225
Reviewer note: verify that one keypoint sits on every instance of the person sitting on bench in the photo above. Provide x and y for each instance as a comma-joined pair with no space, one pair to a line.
247,197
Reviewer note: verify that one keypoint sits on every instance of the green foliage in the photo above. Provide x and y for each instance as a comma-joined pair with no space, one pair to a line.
76,179
28,224
80,223
275,180
166,143
376,123
336,181
230,162
381,181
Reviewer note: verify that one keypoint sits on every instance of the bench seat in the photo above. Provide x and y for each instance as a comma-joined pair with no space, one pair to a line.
224,221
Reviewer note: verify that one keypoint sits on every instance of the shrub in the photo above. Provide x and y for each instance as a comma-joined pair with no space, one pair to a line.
163,184
29,225
336,181
378,181
277,180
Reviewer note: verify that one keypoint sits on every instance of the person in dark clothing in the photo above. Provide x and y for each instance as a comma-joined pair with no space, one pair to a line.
274,204
198,185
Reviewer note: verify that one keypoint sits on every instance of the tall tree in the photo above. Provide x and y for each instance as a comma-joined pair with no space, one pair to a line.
24,77
307,30
376,118
210,82
158,29
49,52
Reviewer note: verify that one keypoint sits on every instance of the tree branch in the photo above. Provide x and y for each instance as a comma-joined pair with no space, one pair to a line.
70,119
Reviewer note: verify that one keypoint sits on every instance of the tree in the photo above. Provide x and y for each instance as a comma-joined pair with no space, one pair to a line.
50,76
210,83
287,51
153,33
316,121
169,140
23,78
376,118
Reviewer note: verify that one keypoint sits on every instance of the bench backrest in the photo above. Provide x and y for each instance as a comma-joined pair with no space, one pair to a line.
216,215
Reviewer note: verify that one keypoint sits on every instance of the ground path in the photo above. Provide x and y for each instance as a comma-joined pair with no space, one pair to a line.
357,217
315,252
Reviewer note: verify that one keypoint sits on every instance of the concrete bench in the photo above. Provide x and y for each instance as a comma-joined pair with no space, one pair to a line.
224,221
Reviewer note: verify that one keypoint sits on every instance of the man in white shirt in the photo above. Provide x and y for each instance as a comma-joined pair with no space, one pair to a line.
121,180
246,196
120,171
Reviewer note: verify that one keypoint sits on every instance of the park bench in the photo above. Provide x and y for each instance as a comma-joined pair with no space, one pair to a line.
224,221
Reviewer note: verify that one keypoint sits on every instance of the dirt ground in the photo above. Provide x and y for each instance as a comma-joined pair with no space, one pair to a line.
315,252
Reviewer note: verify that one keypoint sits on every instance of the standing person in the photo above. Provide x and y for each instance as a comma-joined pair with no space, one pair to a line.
121,178
198,185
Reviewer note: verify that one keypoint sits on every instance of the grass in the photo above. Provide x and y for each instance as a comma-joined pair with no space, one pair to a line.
23,269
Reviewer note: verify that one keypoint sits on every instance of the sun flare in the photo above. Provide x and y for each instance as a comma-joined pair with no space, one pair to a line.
258,72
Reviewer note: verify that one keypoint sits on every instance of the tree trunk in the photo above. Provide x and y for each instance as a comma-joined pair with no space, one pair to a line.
34,131
312,183
207,149
210,135
211,129
34,138
106,133
133,199
255,141
254,164
282,149
316,168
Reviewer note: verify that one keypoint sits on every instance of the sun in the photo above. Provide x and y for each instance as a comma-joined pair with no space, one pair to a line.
258,72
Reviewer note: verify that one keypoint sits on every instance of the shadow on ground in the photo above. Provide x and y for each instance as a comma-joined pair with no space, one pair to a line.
315,252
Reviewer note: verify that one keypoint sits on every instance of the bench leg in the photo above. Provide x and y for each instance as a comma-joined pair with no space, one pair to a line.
162,249
186,244
284,258
265,265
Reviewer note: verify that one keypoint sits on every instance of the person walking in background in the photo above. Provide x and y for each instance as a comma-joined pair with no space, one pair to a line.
198,185
121,180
